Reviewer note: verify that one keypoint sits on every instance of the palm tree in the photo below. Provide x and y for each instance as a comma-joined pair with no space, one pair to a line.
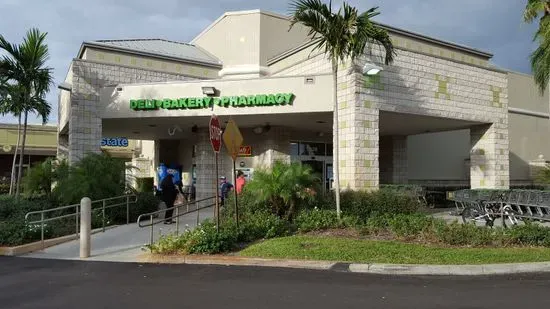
540,58
24,65
11,102
283,187
342,35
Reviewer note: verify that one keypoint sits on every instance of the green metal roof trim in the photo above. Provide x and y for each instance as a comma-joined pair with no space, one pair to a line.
159,48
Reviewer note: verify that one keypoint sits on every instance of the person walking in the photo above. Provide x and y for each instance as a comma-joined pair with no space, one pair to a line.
240,182
169,195
225,188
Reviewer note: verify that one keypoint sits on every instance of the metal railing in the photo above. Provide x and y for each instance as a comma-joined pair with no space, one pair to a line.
209,201
104,205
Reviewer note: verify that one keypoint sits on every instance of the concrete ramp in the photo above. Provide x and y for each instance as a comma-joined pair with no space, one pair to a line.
122,243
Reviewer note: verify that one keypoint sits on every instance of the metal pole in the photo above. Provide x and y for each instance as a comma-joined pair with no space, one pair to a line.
85,227
151,240
103,215
197,215
177,219
235,193
77,217
42,229
127,209
217,209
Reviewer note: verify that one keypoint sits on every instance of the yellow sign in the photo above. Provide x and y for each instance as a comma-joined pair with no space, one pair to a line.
232,138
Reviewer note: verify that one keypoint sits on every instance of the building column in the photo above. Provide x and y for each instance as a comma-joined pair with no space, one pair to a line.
358,121
489,158
85,129
399,156
205,166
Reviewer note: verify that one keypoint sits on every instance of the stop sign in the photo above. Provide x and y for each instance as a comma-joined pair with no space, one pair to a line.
215,133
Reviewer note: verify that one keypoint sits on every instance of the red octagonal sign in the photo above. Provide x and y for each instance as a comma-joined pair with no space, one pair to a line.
215,133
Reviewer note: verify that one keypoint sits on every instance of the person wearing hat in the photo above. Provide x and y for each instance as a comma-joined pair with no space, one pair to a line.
225,188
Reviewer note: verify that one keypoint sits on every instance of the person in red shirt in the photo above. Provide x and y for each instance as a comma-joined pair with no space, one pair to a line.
240,182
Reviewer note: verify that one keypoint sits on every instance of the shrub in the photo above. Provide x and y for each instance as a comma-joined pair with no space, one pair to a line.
380,202
145,184
202,240
530,235
96,176
146,202
456,234
314,220
283,188
259,225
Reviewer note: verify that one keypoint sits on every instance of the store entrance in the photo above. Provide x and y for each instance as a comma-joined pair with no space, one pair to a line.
316,155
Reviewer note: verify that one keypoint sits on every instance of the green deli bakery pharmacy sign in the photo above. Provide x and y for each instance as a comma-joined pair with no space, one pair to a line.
208,102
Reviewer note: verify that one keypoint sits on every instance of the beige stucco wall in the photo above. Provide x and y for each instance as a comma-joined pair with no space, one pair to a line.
524,94
276,38
529,138
438,156
65,101
308,97
233,39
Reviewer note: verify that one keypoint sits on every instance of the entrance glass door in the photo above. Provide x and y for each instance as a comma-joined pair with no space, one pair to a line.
316,155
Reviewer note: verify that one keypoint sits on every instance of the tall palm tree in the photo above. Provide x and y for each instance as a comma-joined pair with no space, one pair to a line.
11,102
540,58
25,65
342,35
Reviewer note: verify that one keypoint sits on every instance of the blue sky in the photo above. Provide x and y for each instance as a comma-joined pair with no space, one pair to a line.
490,25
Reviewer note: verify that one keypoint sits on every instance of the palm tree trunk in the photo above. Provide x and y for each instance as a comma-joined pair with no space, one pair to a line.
335,139
21,158
14,163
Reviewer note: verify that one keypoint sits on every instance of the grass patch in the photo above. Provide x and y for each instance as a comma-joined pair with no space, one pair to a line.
369,251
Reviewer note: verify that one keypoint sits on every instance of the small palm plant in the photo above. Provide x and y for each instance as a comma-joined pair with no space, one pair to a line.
283,187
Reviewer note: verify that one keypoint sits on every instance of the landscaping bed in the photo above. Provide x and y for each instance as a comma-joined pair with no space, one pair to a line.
353,250
280,218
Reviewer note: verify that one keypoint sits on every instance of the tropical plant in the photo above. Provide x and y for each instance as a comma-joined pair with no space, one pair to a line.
96,176
25,66
283,187
11,102
343,36
540,58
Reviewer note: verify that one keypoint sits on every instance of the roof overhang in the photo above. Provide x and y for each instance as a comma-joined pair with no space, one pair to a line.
142,53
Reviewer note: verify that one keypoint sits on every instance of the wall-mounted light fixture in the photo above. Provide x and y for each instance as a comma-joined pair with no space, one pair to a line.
208,90
371,69
65,86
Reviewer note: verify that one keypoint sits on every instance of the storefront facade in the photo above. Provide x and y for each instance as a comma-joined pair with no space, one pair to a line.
248,67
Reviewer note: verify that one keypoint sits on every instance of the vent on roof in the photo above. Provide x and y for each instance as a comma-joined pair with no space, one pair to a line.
309,80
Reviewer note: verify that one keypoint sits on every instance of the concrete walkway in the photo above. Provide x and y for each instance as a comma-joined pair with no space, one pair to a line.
120,244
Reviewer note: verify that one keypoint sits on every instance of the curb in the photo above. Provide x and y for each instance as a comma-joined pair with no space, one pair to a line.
385,269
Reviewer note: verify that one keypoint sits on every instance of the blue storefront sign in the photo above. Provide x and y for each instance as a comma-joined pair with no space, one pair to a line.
114,142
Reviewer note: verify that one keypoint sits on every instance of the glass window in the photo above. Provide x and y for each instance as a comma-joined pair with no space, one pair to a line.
329,150
294,149
312,149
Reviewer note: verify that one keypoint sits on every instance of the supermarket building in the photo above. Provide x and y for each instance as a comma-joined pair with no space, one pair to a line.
441,114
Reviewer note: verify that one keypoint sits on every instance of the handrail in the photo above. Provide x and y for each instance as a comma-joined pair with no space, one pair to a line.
130,199
151,215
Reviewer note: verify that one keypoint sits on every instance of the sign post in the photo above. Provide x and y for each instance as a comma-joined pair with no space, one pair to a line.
216,141
233,141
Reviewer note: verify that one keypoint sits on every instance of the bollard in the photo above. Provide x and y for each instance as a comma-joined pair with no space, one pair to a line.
85,227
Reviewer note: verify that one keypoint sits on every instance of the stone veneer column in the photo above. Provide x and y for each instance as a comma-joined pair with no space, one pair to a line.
399,155
358,133
489,158
205,166
85,129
